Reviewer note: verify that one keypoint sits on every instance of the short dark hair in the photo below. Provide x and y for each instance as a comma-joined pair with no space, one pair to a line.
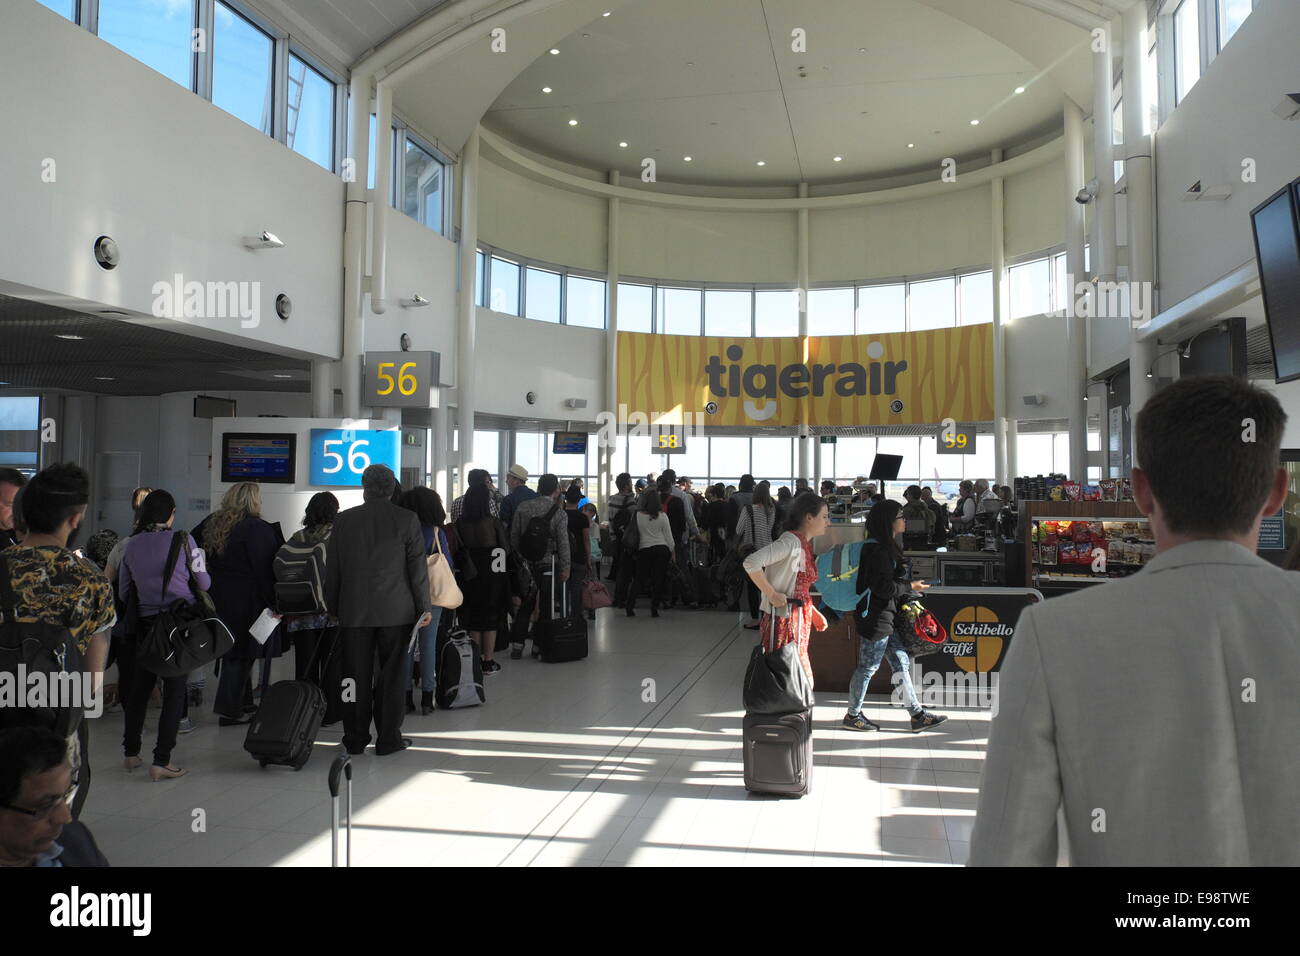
547,484
573,495
55,495
378,481
478,476
804,504
12,476
880,525
26,750
623,482
157,507
746,483
322,509
670,474
1189,438
912,491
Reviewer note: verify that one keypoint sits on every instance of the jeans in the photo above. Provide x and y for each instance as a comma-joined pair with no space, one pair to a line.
870,654
428,654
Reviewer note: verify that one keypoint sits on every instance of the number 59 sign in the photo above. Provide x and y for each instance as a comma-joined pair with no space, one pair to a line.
338,456
395,379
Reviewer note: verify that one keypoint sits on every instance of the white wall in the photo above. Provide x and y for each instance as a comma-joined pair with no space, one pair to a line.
1288,394
1034,213
1225,118
1036,363
175,180
540,221
516,356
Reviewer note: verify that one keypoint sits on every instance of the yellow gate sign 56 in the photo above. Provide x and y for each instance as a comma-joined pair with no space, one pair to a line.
400,378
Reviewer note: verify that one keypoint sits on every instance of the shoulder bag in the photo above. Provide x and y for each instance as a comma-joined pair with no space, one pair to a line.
443,590
185,636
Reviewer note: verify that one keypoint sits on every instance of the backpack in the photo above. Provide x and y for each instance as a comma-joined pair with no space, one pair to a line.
27,649
460,672
537,533
623,515
299,569
837,576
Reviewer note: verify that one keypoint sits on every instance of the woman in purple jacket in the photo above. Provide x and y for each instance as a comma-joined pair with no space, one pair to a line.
144,562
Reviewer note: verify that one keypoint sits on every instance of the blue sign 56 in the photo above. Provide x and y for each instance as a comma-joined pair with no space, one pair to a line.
339,456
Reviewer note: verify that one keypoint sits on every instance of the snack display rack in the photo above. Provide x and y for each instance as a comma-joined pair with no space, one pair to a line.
1061,538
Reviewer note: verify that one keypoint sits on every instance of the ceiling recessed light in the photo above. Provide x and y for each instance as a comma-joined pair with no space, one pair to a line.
761,163
622,145
862,49
105,378
554,52
686,158
974,122
605,14
1020,89
278,375
911,146
70,338
546,89
839,159
573,122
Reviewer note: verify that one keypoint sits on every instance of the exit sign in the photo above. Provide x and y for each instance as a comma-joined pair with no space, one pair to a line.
827,439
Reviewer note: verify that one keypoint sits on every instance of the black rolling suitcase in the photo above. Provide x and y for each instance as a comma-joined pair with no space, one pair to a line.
703,579
779,753
564,638
283,730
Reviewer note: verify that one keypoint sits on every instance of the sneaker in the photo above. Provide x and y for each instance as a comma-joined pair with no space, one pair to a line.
516,652
926,720
859,722
491,667
537,651
196,696
186,726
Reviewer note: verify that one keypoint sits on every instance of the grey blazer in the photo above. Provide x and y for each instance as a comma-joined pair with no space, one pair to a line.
1161,711
375,573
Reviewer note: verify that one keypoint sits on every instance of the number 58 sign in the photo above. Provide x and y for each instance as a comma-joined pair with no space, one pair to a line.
338,456
395,379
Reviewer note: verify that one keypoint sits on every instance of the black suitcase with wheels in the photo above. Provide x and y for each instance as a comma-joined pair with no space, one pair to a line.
779,753
284,728
561,639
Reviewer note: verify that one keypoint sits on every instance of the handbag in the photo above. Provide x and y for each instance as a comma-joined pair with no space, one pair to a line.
919,630
185,636
443,590
595,595
776,683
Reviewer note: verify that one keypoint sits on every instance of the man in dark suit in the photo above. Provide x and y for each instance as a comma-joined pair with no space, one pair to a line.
377,585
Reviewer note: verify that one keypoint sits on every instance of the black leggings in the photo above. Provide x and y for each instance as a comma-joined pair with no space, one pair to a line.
136,705
652,565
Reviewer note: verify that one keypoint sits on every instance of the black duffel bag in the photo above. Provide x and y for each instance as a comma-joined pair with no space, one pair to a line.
776,683
185,636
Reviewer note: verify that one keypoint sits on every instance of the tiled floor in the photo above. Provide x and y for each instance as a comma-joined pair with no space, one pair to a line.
582,764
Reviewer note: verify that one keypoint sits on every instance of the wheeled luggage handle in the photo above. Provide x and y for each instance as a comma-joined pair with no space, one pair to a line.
342,766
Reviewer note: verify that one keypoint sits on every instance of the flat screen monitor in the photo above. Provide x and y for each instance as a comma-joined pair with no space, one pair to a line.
886,467
266,457
569,443
1277,250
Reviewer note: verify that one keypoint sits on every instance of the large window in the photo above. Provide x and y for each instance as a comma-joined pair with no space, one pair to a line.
1232,14
776,312
1187,48
635,306
976,298
772,459
727,312
679,311
479,259
934,304
309,116
422,186
487,453
242,61
64,8
158,35
584,302
728,458
530,451
1151,90
882,308
1030,288
830,312
542,295
504,286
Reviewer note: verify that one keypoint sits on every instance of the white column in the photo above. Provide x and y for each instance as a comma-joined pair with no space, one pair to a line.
466,317
379,198
1076,344
612,267
440,448
1103,161
322,388
1140,210
354,245
999,258
805,450
1012,431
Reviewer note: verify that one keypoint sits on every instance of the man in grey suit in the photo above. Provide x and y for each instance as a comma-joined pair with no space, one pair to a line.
1160,710
377,585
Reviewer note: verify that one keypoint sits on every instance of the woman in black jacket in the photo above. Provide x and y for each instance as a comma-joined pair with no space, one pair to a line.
882,570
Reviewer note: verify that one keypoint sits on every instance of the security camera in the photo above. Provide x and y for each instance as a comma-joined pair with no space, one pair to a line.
1088,193
531,398
711,408
896,406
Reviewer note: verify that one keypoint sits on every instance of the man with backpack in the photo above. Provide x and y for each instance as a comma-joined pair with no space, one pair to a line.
539,532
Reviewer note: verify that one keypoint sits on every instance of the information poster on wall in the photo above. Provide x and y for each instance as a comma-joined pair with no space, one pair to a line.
900,378
1272,533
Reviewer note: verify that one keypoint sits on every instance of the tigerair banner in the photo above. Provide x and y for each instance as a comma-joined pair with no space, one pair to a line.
903,378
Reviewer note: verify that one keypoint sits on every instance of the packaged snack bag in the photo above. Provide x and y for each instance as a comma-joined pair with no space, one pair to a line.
1110,489
1092,493
1072,491
1125,490
1049,555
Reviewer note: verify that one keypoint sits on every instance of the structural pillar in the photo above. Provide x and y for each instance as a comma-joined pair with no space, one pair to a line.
354,244
322,388
439,449
1138,174
606,452
1076,342
999,268
466,316
805,439
1103,161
